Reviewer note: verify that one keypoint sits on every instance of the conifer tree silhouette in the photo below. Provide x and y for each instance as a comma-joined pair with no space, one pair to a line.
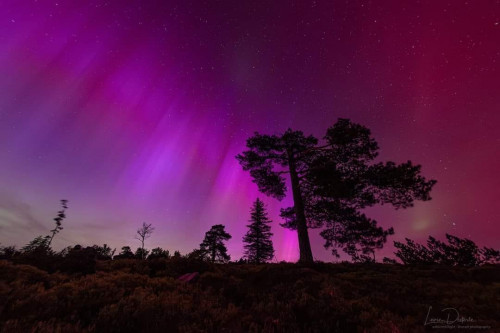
259,246
213,244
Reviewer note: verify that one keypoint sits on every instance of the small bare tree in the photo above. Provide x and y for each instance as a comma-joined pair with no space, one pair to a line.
144,233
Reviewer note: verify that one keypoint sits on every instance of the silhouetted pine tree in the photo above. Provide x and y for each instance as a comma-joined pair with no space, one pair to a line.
331,183
37,248
141,253
458,252
104,252
8,252
259,246
490,255
126,253
158,252
213,244
413,253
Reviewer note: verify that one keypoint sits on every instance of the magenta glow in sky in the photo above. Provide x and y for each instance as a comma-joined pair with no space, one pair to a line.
134,111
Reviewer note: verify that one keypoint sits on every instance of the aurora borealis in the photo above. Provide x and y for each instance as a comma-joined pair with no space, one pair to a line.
134,111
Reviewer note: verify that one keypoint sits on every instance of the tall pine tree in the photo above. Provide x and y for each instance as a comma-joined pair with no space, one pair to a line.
269,159
332,182
259,246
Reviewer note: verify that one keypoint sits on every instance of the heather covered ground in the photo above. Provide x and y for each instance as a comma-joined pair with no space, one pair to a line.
145,296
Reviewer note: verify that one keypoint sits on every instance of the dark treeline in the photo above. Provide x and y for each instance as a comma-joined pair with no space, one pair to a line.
80,259
331,183
258,248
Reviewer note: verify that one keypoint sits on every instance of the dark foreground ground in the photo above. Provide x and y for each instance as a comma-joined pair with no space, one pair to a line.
141,296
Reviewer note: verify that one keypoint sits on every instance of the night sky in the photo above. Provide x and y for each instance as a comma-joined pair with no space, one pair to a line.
134,111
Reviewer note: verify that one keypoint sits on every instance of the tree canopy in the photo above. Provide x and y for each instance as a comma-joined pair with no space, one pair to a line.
332,182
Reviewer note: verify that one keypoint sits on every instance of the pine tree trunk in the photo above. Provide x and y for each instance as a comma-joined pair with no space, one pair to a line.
304,244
